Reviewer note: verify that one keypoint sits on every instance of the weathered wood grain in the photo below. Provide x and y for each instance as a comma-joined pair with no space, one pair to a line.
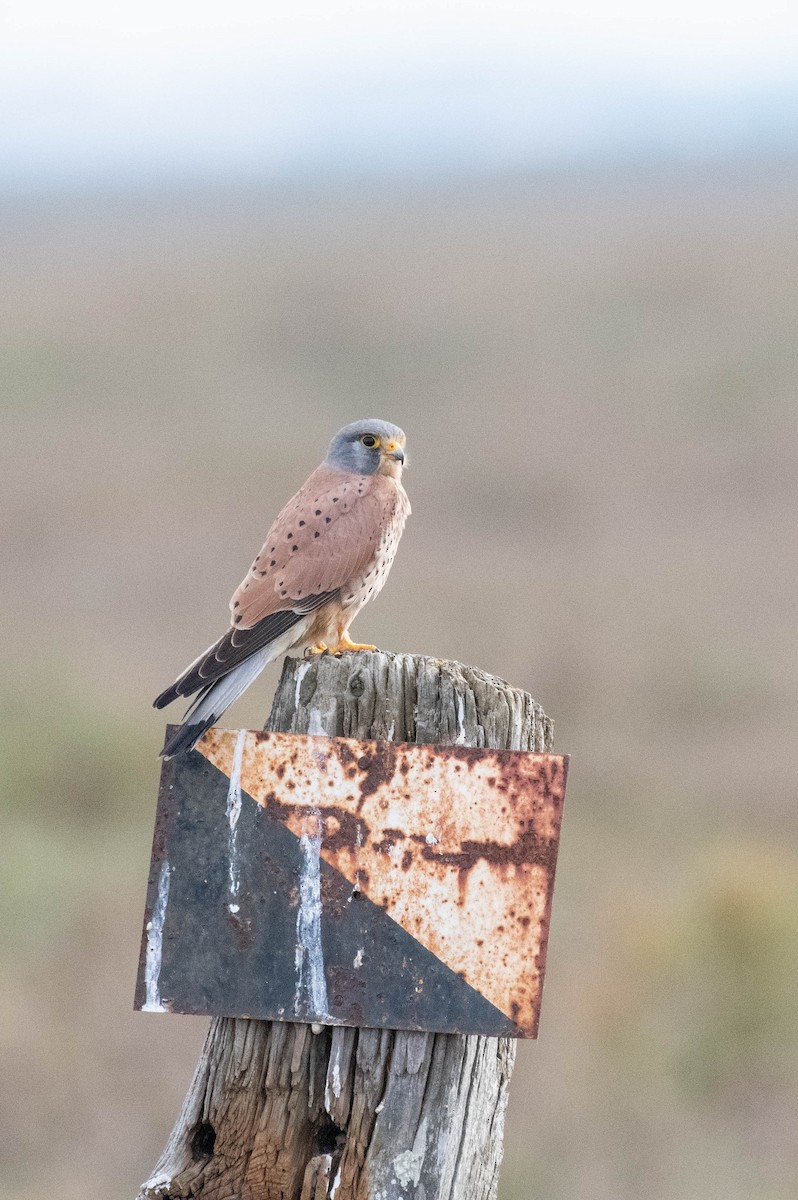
280,1111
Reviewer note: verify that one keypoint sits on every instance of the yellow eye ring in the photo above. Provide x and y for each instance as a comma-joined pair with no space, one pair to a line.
369,441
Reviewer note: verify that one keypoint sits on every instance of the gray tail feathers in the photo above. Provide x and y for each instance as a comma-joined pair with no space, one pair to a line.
212,702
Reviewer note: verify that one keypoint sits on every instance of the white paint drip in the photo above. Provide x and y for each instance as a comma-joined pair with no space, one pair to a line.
233,813
333,1073
315,724
460,740
336,1182
358,960
152,962
407,1165
358,844
336,1069
311,985
301,672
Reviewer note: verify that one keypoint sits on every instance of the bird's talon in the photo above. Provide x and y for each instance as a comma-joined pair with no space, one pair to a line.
345,644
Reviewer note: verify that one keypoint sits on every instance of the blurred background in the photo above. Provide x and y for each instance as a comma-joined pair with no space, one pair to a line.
557,244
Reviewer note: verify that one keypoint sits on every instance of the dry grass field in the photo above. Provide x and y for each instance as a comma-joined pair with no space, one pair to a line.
597,375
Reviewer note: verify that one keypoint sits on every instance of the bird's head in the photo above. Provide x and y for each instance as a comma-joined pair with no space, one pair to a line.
369,447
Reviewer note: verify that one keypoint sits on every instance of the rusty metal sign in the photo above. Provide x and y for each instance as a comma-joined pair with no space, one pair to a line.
345,882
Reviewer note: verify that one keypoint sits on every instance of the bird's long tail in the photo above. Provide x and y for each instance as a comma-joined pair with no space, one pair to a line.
213,700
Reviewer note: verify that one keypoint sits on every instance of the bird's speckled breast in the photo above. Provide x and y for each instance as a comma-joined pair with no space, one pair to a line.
366,586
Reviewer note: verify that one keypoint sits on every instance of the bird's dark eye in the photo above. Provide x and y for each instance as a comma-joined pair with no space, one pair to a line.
369,441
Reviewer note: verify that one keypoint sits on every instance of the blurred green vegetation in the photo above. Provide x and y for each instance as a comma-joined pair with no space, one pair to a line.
72,788
703,989
596,374
91,763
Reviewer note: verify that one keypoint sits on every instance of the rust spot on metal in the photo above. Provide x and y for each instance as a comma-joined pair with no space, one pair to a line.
378,766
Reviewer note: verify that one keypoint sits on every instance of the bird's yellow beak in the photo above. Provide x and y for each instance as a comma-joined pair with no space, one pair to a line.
394,450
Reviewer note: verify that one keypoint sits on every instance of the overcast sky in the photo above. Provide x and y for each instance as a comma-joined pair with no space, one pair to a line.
90,87
714,35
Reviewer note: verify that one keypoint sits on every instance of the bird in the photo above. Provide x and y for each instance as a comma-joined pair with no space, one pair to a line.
327,554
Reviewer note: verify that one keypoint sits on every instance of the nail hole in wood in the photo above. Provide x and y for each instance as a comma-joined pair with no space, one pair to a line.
203,1141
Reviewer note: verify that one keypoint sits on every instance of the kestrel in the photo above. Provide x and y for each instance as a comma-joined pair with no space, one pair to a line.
326,555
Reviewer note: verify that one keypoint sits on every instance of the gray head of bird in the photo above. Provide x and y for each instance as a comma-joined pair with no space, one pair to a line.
369,447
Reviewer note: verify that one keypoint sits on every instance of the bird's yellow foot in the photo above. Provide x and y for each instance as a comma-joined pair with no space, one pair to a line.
345,644
319,648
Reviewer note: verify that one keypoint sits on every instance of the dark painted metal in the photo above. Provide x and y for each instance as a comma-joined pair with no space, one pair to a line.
356,883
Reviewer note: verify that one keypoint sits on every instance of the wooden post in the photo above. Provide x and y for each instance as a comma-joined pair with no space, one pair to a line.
281,1111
